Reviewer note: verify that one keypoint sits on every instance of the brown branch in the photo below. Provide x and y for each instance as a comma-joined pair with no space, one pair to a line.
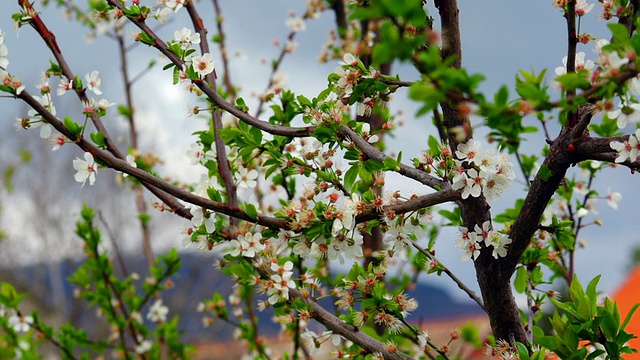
493,277
226,77
451,275
224,168
161,187
420,202
589,148
50,41
153,183
630,71
341,18
398,83
275,66
211,92
141,205
408,171
339,327
572,44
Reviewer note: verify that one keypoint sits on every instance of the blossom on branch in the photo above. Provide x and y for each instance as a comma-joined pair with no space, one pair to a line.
174,5
158,312
20,323
582,8
627,112
64,86
580,64
629,149
613,198
296,24
485,172
186,38
203,65
86,169
246,178
201,216
249,245
471,241
93,82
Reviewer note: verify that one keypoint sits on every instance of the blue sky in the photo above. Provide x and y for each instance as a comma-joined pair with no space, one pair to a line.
499,38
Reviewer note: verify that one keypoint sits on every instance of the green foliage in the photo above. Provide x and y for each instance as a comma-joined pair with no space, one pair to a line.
74,129
118,299
321,218
581,322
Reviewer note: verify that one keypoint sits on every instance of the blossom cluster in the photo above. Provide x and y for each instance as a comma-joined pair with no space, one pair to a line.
280,282
479,172
403,230
202,64
609,64
351,74
344,242
86,169
472,241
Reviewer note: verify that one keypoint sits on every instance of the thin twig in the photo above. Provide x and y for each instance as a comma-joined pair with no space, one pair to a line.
224,167
226,76
451,275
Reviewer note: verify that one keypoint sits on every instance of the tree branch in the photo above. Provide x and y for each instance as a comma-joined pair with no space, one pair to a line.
494,280
226,76
50,40
408,171
224,168
348,332
211,92
452,276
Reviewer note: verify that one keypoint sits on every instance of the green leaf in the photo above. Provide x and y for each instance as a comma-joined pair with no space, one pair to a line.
351,175
453,216
544,172
125,111
383,52
71,125
523,352
373,166
352,154
502,96
8,294
99,139
144,218
427,94
619,32
576,80
629,316
251,211
391,164
241,105
608,325
147,39
7,89
521,280
54,68
575,290
87,213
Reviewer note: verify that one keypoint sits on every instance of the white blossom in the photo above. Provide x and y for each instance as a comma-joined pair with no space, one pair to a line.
157,311
86,169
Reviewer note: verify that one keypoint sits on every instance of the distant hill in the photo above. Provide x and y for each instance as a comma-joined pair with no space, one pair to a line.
197,280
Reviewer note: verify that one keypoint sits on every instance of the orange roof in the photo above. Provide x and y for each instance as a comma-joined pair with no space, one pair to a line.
627,295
